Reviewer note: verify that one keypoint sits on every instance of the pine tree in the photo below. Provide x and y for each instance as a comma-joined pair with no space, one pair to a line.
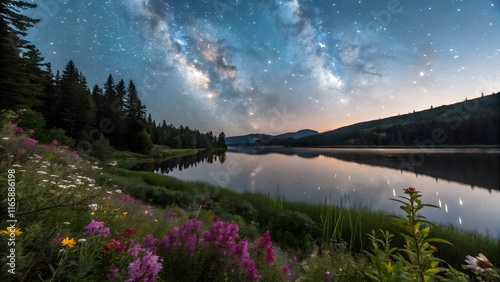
16,88
76,103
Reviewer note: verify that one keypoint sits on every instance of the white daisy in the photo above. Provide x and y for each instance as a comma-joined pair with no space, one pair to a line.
479,263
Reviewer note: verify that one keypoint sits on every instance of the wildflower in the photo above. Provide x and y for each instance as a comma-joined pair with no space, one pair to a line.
479,263
215,218
113,163
93,206
68,242
410,190
30,142
16,165
265,243
113,272
149,242
103,231
327,273
134,250
190,245
10,230
124,213
57,240
118,191
41,172
66,223
53,144
74,154
146,268
287,270
16,128
81,241
5,138
93,226
128,232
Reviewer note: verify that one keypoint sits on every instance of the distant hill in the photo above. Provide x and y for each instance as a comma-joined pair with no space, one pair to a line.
471,122
263,139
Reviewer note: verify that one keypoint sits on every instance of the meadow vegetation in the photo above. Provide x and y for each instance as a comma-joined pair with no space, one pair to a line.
80,218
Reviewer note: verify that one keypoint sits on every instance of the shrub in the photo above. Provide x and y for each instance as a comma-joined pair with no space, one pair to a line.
294,230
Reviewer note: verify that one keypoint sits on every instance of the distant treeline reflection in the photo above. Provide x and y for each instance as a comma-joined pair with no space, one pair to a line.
474,168
189,161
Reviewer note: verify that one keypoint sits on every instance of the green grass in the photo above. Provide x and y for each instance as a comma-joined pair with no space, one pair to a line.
336,222
334,240
159,153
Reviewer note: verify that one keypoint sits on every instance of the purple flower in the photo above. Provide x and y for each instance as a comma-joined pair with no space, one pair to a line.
53,144
74,154
265,243
134,251
114,271
146,268
126,198
165,241
94,227
150,242
16,128
287,270
30,142
190,245
103,231
222,234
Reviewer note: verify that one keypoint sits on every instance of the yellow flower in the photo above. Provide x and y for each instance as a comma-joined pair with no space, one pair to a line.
68,242
9,230
124,213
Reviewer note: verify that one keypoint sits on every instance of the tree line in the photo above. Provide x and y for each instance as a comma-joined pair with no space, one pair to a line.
61,106
471,122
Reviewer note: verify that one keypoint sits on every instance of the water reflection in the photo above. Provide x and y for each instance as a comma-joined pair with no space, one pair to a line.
181,163
474,167
365,177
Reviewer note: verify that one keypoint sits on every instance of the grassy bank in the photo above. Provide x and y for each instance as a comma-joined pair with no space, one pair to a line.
159,153
332,221
78,221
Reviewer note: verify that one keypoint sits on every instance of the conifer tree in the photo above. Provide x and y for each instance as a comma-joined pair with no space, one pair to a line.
16,88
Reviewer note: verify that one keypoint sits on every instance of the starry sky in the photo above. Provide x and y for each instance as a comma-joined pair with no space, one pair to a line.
251,66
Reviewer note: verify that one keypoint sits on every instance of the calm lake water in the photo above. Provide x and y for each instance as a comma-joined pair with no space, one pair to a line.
464,183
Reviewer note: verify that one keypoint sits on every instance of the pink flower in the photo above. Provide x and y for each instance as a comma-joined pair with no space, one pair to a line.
410,190
190,245
265,243
134,250
96,227
16,128
53,144
149,242
145,268
74,154
287,270
30,142
113,272
215,218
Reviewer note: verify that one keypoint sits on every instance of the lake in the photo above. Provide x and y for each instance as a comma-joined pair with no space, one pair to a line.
465,183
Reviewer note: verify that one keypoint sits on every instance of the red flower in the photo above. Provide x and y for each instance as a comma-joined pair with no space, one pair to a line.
410,190
215,218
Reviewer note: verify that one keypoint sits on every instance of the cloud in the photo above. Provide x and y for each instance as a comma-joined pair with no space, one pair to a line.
308,48
155,15
217,54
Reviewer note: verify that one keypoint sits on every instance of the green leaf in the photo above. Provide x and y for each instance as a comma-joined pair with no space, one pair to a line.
439,240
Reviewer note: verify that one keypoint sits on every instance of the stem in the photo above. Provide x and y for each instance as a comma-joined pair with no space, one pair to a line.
415,239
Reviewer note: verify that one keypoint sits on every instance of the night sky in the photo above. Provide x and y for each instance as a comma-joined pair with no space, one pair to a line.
246,66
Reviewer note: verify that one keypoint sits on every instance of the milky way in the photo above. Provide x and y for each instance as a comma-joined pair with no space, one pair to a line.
272,66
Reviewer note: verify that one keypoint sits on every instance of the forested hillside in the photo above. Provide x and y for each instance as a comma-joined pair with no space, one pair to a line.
471,122
62,107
